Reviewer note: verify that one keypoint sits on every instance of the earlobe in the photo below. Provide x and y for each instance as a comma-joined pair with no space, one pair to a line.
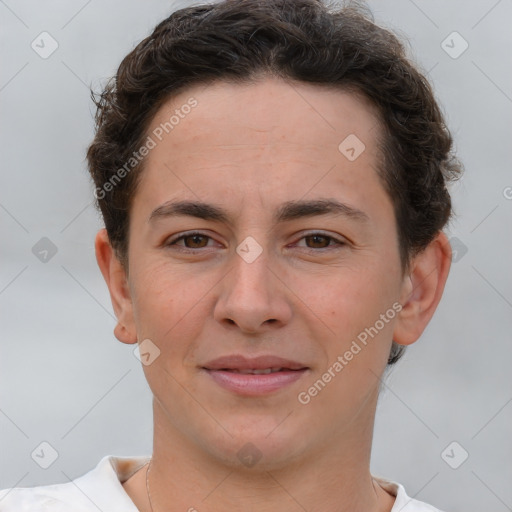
123,334
115,276
422,289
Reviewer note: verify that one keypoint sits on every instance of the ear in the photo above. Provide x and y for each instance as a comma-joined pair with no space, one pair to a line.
422,289
117,282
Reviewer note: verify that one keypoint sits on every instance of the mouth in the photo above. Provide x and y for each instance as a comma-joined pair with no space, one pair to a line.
255,371
254,376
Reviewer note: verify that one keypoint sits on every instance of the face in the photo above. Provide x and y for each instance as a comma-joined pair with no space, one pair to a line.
282,255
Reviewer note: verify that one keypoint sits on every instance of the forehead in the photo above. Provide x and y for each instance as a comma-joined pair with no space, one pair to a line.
267,110
265,139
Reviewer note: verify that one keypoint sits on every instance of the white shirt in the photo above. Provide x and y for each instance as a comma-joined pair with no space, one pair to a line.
101,489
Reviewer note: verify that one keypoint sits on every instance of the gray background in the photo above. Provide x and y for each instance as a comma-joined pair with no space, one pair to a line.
66,380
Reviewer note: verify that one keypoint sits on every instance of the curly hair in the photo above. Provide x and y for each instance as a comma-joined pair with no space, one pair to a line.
302,40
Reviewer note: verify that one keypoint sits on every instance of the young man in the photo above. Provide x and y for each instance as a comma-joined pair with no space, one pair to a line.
272,176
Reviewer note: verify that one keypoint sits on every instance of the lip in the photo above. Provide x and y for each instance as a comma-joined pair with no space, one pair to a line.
239,362
223,372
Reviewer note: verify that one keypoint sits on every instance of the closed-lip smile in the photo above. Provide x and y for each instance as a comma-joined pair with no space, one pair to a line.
254,376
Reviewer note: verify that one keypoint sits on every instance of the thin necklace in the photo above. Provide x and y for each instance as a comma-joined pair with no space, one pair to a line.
147,485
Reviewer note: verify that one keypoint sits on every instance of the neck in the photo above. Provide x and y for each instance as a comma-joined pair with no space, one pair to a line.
334,478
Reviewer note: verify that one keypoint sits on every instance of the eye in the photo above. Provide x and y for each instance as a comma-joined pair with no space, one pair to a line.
321,241
194,240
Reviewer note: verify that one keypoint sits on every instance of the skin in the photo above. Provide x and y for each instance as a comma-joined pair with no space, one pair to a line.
248,149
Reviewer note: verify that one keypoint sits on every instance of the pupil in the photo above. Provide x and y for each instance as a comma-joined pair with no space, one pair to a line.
196,239
317,237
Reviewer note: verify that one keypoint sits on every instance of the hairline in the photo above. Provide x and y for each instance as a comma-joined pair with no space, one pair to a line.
382,139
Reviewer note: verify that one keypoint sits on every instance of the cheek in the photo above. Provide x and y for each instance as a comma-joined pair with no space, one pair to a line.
348,321
350,299
167,308
169,313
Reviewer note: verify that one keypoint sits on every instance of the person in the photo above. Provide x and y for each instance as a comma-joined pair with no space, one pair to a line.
273,177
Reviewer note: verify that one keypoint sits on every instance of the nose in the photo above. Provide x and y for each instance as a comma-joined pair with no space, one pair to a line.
253,296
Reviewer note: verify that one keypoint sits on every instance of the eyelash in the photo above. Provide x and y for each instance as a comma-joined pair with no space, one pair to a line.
337,242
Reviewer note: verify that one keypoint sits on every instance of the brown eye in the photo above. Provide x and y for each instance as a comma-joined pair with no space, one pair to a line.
195,241
190,241
318,241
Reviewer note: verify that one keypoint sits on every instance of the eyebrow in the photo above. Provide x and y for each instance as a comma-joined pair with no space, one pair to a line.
288,211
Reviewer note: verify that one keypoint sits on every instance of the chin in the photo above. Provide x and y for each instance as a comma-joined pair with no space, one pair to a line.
257,445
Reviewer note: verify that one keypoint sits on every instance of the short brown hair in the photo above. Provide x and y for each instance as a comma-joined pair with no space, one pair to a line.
302,40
